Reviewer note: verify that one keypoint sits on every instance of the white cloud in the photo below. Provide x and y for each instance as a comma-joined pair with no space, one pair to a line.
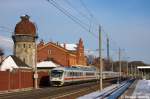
6,43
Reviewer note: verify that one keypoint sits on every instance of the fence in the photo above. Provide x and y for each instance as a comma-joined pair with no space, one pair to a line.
21,79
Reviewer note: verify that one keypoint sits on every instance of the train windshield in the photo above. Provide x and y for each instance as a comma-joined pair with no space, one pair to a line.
56,73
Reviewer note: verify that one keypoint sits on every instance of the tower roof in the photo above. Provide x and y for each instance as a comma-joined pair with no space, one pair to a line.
25,27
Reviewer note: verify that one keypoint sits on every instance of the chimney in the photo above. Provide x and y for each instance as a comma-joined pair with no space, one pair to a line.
65,45
57,43
25,17
41,43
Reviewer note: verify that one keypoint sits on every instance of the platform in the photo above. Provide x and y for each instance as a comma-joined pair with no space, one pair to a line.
138,90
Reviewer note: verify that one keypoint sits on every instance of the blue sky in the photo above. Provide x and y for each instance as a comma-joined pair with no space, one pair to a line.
126,22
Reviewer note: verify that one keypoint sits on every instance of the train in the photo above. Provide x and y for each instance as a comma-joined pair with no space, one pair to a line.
110,74
60,76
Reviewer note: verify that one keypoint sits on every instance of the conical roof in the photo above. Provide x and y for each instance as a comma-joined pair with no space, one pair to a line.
25,27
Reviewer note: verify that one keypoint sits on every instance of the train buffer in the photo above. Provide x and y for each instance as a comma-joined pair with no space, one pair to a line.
110,92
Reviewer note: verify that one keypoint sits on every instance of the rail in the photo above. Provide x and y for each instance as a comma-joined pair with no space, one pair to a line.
115,92
120,90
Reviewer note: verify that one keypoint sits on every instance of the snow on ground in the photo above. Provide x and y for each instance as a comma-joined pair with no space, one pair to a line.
142,89
93,95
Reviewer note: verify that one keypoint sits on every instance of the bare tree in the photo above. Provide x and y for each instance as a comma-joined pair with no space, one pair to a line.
1,54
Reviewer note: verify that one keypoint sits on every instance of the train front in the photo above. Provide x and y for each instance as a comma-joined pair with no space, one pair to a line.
56,77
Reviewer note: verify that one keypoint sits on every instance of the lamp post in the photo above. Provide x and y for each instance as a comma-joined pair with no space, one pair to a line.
100,59
35,66
127,67
112,68
119,65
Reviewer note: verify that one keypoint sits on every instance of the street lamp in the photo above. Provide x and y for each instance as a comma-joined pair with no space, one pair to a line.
119,65
127,66
100,59
35,66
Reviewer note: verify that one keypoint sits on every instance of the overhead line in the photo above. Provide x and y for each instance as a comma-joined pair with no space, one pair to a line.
79,12
85,7
73,18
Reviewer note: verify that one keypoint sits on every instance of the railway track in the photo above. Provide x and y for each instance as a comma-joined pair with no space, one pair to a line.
64,92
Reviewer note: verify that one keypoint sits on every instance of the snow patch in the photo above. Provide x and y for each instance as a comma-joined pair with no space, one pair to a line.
47,64
94,95
8,64
142,88
71,47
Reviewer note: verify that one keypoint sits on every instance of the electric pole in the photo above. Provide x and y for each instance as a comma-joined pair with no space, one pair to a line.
119,64
127,68
100,59
112,66
108,57
35,66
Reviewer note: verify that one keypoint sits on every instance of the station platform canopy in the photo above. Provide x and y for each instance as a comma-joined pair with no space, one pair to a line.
143,67
145,70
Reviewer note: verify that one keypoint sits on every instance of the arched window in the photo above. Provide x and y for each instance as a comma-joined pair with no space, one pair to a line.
24,45
24,60
29,45
49,52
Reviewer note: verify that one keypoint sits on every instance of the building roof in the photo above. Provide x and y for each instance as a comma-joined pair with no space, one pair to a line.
11,62
70,47
25,27
47,64
19,62
143,67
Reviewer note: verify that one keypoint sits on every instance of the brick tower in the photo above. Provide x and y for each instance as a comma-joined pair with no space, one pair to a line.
80,53
24,38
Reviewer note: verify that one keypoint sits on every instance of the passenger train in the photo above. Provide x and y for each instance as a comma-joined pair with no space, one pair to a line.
66,75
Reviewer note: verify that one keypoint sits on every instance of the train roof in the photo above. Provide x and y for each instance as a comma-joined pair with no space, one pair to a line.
76,68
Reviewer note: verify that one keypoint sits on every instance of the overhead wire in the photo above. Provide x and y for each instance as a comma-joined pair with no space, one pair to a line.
73,18
91,15
5,29
78,11
78,21
106,34
89,19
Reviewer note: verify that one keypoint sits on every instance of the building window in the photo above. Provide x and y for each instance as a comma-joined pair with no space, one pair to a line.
24,45
29,45
24,60
49,51
80,54
18,45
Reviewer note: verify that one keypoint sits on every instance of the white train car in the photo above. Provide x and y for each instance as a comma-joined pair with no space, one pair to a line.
64,75
110,74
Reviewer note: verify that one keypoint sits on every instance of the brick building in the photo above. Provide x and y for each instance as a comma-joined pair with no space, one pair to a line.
63,54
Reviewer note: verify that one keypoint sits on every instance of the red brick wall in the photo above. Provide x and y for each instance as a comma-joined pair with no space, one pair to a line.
16,79
43,79
72,60
4,80
56,54
22,79
80,53
60,55
26,79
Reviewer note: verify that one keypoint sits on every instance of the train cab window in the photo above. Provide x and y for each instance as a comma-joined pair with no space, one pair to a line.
57,73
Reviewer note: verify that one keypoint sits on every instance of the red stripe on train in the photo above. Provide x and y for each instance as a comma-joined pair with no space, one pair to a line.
70,78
